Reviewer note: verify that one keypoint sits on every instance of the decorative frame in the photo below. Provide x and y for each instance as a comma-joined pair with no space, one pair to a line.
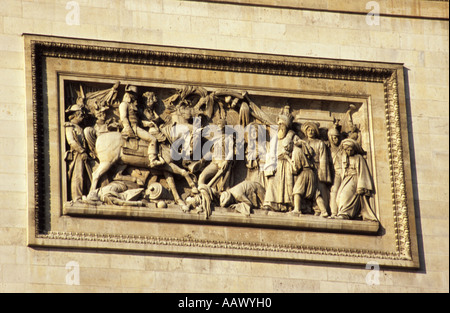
395,246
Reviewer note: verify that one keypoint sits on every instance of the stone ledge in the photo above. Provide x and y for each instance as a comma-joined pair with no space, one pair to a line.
436,9
222,216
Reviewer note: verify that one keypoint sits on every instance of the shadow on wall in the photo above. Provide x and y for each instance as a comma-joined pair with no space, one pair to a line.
414,173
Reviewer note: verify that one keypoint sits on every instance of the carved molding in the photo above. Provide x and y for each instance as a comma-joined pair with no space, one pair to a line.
396,167
190,242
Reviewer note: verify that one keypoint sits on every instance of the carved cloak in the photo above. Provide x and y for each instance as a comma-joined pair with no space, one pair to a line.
355,176
248,195
280,186
322,160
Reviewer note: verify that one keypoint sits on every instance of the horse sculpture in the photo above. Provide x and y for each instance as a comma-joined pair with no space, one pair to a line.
111,149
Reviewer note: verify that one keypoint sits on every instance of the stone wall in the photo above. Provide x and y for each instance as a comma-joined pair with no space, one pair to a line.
418,38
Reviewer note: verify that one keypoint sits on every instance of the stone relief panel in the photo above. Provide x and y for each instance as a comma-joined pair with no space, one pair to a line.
198,150
185,151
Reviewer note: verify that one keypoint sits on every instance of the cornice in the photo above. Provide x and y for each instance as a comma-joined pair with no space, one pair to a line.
425,9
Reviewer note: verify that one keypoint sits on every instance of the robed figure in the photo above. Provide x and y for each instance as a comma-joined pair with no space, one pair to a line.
356,185
280,182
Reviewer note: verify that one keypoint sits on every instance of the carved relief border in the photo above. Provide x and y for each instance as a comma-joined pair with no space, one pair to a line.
40,49
396,166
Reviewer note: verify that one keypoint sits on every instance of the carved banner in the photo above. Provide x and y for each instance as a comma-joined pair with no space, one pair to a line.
161,149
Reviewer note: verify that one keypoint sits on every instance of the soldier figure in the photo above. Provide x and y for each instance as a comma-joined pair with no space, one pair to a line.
77,154
322,164
132,125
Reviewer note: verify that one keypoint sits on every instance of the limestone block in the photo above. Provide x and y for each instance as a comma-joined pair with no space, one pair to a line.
440,157
366,288
12,236
267,15
439,125
132,262
11,8
295,285
144,6
178,281
258,284
177,7
29,256
388,40
226,11
438,43
201,25
433,108
141,35
11,60
268,30
434,227
13,182
233,268
17,25
12,77
168,22
12,287
270,269
436,59
413,42
141,19
169,37
14,273
319,19
436,245
430,281
45,10
306,273
91,276
437,262
12,218
302,34
433,208
139,281
7,256
13,147
435,27
169,264
62,258
333,287
235,28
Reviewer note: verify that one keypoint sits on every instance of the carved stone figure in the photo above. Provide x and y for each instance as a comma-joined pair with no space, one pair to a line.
92,132
99,100
306,182
152,120
132,125
334,138
217,172
249,112
110,150
121,193
356,186
280,180
240,106
202,201
77,155
255,154
322,164
243,197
